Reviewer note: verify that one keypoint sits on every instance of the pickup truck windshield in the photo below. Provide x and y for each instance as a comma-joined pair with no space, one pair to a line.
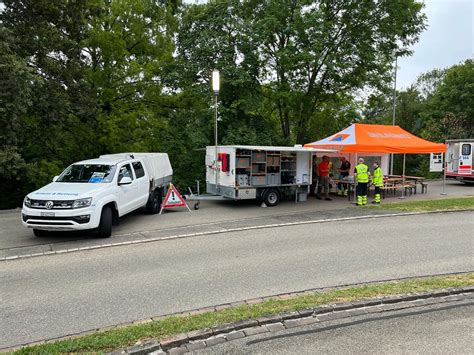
93,173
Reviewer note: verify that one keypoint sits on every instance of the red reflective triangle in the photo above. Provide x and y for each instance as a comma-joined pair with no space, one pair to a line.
173,198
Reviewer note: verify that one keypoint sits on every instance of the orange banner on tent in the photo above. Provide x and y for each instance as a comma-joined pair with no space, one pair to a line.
371,138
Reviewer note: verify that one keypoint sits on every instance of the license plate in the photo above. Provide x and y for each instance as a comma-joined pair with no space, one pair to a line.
47,214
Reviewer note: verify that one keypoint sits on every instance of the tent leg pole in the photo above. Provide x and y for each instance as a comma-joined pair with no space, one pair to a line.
403,178
391,163
444,174
355,183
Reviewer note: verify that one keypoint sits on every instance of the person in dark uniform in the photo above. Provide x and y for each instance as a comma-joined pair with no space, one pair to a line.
343,173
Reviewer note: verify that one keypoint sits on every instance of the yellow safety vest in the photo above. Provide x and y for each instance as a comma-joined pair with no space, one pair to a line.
377,180
362,173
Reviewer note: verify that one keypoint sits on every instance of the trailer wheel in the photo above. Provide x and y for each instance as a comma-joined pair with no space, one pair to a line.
271,197
196,206
154,203
105,225
40,233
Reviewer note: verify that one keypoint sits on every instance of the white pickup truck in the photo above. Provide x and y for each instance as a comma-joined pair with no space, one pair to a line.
95,193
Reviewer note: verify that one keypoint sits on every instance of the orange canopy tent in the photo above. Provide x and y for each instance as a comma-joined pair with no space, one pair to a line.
372,138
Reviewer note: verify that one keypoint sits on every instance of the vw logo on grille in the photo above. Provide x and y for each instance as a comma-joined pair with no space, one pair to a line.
49,205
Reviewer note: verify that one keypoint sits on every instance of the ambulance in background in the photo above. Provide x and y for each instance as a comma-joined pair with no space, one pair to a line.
459,159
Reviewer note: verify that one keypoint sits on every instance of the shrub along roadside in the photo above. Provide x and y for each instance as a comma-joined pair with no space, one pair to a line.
129,335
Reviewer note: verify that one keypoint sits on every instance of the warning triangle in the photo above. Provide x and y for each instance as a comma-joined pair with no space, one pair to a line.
173,199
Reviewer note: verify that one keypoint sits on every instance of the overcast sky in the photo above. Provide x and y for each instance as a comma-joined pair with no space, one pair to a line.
448,40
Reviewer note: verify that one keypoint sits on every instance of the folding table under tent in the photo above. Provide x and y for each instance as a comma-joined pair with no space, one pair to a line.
376,140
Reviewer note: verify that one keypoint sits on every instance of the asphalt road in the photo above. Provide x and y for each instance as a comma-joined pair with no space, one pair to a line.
53,296
445,329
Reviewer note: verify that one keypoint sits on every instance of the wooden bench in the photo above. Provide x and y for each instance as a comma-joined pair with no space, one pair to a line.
389,188
410,188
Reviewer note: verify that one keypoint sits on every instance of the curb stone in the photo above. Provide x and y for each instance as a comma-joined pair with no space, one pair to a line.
191,341
273,319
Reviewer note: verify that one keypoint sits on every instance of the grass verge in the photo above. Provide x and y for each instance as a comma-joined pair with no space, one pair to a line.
121,337
446,204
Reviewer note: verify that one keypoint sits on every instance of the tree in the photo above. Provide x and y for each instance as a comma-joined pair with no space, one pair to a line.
213,36
313,51
128,47
46,37
16,80
450,110
297,55
427,83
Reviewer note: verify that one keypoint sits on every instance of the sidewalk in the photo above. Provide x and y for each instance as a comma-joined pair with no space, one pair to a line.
435,329
212,216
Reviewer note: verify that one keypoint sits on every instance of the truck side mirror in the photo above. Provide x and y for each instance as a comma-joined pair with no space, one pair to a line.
125,181
55,178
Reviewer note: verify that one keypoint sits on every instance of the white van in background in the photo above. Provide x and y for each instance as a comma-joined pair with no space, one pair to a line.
460,160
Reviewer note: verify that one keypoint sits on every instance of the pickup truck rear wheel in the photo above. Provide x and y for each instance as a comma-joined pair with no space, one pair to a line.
153,205
105,225
40,233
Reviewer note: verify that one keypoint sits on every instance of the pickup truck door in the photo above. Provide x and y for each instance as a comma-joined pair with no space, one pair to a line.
126,193
142,184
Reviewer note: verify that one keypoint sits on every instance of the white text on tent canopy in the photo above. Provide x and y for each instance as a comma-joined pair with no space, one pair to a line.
388,135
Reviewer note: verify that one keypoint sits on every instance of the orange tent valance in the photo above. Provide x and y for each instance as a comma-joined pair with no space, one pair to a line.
371,138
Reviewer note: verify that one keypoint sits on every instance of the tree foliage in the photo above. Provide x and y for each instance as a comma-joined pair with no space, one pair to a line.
438,107
303,53
82,78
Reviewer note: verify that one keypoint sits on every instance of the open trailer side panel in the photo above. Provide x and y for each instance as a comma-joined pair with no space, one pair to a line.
220,171
248,172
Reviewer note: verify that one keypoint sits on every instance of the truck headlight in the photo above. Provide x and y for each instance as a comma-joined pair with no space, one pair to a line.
27,201
83,202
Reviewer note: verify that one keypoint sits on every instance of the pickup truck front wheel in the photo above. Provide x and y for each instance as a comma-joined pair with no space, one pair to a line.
105,225
40,233
153,205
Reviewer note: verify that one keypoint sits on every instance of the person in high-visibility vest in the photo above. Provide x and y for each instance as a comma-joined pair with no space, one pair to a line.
377,181
362,178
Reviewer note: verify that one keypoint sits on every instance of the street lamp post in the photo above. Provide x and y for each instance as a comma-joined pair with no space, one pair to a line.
215,88
397,54
394,106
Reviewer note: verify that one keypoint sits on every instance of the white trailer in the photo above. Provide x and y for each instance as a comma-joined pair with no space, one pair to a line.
460,160
240,172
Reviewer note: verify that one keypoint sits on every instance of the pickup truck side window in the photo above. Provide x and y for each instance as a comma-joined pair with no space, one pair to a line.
125,171
139,172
